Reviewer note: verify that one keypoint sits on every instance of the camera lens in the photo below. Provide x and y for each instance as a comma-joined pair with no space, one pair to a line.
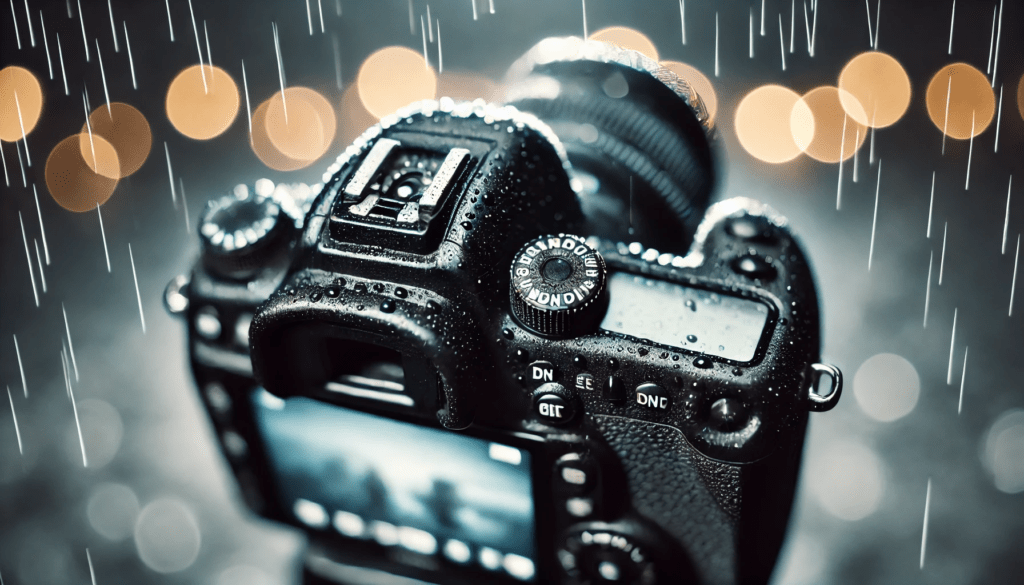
634,132
727,415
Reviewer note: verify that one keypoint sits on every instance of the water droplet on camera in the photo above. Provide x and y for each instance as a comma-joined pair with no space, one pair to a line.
691,338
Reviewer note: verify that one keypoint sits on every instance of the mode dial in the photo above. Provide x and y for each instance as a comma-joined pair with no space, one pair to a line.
239,233
557,285
593,555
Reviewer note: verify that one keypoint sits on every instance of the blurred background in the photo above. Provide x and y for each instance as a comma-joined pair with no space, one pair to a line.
917,475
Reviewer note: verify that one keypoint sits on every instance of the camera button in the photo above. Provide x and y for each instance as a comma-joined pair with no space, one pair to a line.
585,382
615,390
653,396
576,472
553,404
754,267
580,507
542,371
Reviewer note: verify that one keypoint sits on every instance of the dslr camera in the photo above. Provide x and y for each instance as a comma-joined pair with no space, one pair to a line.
511,343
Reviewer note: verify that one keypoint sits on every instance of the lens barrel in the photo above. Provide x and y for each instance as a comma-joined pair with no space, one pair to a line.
635,133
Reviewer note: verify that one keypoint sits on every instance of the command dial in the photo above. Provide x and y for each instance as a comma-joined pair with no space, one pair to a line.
239,233
557,285
592,556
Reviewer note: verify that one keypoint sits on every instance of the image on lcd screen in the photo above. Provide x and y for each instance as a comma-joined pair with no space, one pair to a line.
689,318
433,492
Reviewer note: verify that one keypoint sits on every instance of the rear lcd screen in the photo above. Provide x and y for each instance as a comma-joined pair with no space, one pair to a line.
437,493
689,318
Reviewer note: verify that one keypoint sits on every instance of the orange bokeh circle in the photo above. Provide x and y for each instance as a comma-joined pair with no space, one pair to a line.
393,77
18,81
627,38
127,130
879,87
71,181
202,110
824,124
762,123
971,101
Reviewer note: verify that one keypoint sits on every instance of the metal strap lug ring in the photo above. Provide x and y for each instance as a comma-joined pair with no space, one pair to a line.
818,402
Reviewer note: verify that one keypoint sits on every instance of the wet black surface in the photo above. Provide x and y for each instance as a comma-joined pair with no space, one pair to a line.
140,416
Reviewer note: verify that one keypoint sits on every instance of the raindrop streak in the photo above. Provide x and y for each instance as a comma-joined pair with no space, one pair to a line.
992,40
170,25
585,33
170,175
280,71
874,220
952,19
682,18
751,33
103,76
1006,222
871,35
473,2
21,165
320,9
88,126
1013,282
945,122
999,35
963,377
871,150
807,27
71,346
426,57
209,56
931,205
928,288
39,260
878,22
309,18
184,205
28,257
245,85
131,62
412,22
195,31
942,259
490,5
138,296
91,572
999,116
64,366
113,29
15,416
763,32
46,249
21,122
430,25
46,45
63,72
792,26
74,407
440,56
970,153
814,31
952,343
85,41
14,19
21,368
782,45
924,529
856,153
337,61
842,156
28,17
716,44
3,159
104,235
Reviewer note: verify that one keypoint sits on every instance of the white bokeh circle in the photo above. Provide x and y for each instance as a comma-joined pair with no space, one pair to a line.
849,482
112,510
167,536
886,387
1003,453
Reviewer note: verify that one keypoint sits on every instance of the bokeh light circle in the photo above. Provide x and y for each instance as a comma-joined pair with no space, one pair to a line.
264,147
393,77
112,510
20,81
466,86
887,387
848,482
763,123
167,536
627,38
72,183
698,81
202,111
879,87
127,130
1003,453
969,96
817,124
301,125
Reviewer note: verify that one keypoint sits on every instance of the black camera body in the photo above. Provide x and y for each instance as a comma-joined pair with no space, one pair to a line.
428,371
